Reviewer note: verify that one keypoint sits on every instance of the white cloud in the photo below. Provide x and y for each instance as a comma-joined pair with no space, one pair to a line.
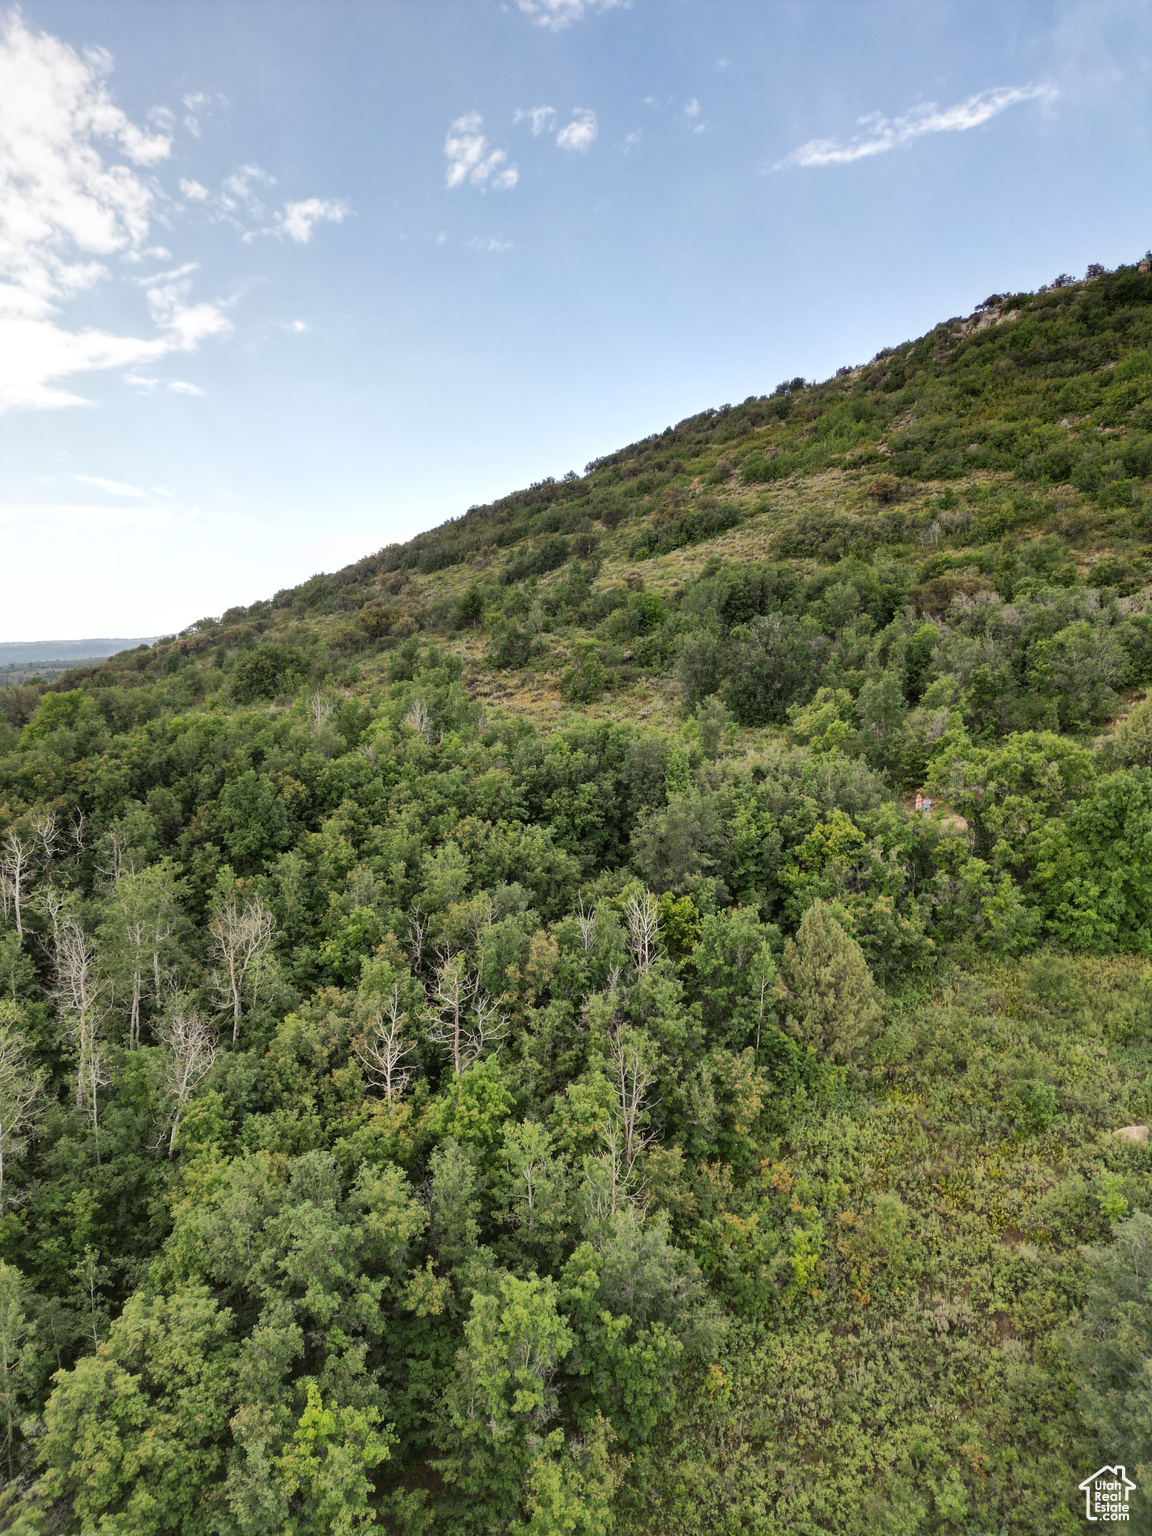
181,387
113,487
62,209
240,202
580,134
471,160
153,253
35,354
186,323
167,277
558,14
880,133
297,220
541,118
299,325
238,191
692,113
477,244
194,103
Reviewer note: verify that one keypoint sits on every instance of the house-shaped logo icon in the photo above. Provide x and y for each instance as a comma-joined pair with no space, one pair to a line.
1106,1494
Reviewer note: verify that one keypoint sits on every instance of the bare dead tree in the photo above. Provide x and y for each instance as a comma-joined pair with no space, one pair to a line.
586,922
643,924
417,936
53,903
145,911
82,995
115,867
15,870
384,1047
608,1189
93,1076
489,1027
469,1022
319,709
21,1085
418,719
135,921
46,830
190,1044
450,997
633,1075
76,833
241,939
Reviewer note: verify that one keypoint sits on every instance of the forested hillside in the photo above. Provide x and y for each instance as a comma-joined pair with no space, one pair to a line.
490,1043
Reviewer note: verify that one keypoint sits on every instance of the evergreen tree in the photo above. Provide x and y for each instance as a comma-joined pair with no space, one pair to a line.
831,1001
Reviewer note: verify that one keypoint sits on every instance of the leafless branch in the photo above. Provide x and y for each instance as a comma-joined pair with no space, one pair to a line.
586,921
15,869
83,996
46,830
21,1085
418,719
643,924
469,1022
241,939
384,1046
191,1049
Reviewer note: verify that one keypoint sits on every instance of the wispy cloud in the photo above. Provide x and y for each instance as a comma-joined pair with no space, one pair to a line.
692,112
471,160
580,134
879,134
478,244
296,221
182,387
242,202
167,277
558,14
541,118
153,253
241,192
113,487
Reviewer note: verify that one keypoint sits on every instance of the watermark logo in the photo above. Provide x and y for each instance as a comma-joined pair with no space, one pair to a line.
1106,1494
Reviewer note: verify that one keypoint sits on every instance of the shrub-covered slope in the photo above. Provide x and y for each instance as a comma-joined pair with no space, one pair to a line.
489,1043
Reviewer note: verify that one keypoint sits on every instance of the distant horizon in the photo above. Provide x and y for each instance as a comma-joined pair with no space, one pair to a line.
37,651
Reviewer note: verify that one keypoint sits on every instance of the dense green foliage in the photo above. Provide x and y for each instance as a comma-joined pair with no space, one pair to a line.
425,1107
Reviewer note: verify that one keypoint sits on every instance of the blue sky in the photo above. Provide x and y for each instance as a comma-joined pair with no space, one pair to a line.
283,282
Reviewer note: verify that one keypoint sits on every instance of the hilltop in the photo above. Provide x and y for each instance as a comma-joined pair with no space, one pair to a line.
626,1012
1008,448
